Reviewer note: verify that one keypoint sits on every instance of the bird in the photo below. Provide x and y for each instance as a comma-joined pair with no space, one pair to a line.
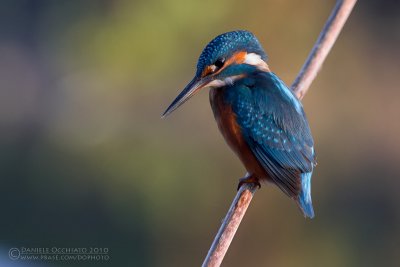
260,118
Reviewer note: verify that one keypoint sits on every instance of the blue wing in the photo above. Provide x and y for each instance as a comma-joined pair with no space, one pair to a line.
275,127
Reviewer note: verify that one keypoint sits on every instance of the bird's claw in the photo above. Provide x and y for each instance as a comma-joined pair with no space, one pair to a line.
249,180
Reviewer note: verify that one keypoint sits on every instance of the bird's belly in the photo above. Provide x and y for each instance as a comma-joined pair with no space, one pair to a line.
226,121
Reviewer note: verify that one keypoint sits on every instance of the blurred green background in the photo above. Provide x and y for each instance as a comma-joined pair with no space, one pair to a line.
86,160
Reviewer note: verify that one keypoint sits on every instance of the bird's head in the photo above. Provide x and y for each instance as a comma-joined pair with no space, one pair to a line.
226,58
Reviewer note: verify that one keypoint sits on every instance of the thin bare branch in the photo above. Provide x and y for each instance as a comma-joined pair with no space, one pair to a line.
300,86
230,224
323,45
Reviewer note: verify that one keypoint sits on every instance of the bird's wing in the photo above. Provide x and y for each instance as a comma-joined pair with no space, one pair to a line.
274,126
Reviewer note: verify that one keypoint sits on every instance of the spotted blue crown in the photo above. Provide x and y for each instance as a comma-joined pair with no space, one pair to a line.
226,44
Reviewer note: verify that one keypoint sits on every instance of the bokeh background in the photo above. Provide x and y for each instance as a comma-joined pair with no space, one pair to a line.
85,159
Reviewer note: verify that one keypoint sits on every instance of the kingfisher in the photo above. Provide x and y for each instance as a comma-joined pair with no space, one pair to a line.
260,118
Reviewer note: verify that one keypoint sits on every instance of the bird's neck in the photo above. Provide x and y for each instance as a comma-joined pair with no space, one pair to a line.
255,60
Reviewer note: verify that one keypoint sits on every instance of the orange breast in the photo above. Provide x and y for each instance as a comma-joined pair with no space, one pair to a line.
229,128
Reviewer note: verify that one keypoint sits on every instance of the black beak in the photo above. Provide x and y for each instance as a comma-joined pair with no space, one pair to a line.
192,88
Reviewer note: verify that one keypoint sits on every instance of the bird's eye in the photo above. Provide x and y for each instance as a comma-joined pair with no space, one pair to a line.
219,63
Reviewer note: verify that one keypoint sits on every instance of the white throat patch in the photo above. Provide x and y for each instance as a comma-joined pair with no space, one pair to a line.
226,81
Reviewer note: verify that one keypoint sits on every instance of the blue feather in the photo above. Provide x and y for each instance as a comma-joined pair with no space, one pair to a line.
304,200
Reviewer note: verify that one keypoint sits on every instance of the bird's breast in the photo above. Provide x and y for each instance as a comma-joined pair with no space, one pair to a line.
228,126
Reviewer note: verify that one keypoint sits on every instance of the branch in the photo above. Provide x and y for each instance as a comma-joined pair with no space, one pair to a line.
230,224
324,43
300,87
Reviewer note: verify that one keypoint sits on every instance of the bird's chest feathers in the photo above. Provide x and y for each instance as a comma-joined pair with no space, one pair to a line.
228,126
225,119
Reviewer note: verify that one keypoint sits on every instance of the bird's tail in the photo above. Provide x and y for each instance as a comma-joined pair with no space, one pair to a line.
304,199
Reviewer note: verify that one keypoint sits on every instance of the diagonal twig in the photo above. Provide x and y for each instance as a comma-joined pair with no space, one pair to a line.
323,45
300,86
230,224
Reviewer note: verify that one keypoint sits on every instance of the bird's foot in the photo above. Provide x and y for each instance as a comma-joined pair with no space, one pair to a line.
249,180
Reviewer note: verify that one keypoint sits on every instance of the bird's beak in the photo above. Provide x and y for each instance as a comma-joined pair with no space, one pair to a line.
192,88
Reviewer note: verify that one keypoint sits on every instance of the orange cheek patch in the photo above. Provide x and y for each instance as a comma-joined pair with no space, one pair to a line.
237,58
